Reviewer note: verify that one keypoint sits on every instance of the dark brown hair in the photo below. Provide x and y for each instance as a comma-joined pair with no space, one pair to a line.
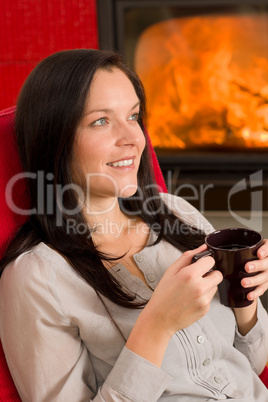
49,109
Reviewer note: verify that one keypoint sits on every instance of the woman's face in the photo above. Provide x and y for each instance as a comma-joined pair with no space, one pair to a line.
109,141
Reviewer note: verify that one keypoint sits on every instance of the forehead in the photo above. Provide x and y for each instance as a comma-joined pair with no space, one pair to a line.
108,74
110,84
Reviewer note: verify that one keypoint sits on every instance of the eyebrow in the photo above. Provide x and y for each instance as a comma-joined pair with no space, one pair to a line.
108,110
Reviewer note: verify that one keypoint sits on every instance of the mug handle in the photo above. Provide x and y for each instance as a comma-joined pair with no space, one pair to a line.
201,255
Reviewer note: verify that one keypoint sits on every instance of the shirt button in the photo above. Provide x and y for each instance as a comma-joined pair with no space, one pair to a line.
139,258
201,339
150,278
218,380
206,362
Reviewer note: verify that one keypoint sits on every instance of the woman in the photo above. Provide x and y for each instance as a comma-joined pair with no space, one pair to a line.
99,299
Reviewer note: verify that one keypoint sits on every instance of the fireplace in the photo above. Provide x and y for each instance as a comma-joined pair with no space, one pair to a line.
204,66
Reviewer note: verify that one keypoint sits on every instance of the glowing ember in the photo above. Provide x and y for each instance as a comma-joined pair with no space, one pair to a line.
206,81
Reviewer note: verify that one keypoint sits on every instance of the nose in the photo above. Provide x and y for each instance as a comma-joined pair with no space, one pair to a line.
129,134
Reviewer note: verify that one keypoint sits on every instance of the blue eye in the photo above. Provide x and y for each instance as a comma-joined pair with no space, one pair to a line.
100,122
134,117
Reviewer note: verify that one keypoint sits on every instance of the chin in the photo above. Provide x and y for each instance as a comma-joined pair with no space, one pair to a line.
129,190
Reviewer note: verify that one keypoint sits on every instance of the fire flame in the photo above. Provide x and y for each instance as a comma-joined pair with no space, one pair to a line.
206,81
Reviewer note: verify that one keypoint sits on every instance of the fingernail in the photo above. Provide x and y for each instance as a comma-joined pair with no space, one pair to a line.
247,282
262,254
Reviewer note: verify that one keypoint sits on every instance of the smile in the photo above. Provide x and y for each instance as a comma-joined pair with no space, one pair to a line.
126,162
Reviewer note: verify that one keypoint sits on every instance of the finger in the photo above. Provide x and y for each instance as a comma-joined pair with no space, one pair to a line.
257,265
185,259
204,265
256,280
212,292
259,291
263,250
204,297
197,271
214,276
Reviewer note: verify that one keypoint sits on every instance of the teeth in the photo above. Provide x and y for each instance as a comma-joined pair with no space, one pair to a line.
126,162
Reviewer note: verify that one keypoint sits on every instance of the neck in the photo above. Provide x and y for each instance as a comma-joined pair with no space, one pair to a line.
117,234
106,219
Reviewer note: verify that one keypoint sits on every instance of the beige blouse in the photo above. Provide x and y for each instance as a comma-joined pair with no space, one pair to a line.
61,344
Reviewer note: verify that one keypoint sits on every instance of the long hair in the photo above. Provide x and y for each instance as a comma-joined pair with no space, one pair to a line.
49,109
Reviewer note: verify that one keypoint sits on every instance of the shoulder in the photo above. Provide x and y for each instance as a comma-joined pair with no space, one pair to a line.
40,269
37,261
42,279
186,212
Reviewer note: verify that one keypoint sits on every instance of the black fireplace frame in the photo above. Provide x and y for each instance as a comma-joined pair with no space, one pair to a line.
222,169
110,15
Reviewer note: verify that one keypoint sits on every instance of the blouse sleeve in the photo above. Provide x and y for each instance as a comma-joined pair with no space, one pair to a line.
254,345
187,212
46,356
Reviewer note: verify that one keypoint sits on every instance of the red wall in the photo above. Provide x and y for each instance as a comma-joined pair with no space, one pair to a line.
30,30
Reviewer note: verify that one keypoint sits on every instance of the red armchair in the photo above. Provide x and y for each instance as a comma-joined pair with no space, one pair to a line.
10,221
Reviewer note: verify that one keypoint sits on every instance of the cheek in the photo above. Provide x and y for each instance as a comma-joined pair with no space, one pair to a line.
99,183
142,143
80,164
86,156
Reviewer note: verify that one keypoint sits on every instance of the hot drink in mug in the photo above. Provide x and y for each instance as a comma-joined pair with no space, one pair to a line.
231,249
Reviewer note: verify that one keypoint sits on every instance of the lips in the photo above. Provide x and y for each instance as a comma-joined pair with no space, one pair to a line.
122,162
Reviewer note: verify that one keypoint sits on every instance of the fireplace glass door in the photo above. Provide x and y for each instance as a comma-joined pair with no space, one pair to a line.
205,72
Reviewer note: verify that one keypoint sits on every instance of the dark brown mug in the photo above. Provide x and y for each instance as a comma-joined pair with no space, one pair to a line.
231,249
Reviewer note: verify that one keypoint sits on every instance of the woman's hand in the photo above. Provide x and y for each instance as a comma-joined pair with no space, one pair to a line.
184,293
182,297
246,317
260,267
